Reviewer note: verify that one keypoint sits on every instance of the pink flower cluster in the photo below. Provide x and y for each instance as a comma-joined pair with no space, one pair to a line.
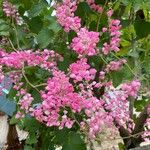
58,95
131,88
85,42
114,31
17,59
114,100
76,92
25,102
62,95
94,6
11,11
81,70
98,118
65,15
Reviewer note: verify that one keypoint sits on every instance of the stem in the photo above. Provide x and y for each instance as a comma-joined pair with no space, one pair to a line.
16,33
12,45
23,73
131,105
103,59
126,64
98,22
42,84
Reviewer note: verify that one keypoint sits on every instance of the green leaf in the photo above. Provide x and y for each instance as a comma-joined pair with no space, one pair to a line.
44,38
12,93
121,146
27,4
32,138
74,142
146,64
37,9
36,24
13,120
142,28
53,25
4,28
31,124
59,136
139,104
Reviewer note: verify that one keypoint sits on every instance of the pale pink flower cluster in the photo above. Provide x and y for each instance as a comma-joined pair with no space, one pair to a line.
11,11
111,66
115,65
110,13
65,15
94,6
117,104
102,75
4,41
146,134
19,115
25,102
81,70
131,88
15,78
85,42
98,118
99,122
147,124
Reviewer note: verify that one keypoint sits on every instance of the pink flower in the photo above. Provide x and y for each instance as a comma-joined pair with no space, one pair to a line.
114,31
115,65
93,6
25,102
109,13
65,15
131,88
11,11
85,42
116,103
81,70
